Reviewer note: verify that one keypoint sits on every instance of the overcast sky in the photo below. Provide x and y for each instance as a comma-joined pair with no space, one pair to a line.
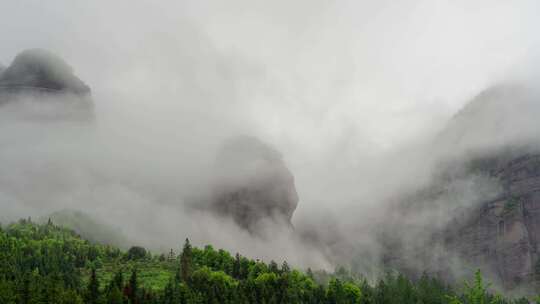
381,70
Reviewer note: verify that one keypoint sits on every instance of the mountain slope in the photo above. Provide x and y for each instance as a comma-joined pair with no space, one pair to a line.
484,197
88,227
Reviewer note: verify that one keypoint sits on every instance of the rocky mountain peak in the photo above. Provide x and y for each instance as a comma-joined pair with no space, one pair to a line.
253,184
38,68
40,85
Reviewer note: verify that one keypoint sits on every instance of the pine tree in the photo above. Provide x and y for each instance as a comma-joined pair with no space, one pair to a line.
236,266
285,267
92,293
133,289
25,290
115,296
117,281
309,273
171,256
273,267
185,261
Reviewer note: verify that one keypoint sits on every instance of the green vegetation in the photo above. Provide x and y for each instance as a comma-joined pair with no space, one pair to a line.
511,204
45,263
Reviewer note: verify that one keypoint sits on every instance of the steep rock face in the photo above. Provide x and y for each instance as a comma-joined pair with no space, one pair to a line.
503,235
465,226
253,184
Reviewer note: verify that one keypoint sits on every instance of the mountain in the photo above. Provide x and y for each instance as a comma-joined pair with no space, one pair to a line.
482,207
38,68
39,84
253,185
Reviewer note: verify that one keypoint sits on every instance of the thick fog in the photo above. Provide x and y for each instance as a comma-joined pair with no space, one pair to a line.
357,96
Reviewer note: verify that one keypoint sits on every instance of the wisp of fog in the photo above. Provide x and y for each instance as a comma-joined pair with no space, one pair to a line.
361,98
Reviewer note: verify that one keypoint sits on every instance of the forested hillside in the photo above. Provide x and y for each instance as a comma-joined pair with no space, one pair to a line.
45,263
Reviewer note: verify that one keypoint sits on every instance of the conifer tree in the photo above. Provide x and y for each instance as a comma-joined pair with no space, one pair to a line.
285,267
117,281
273,267
115,296
171,256
92,294
236,266
185,261
133,288
309,273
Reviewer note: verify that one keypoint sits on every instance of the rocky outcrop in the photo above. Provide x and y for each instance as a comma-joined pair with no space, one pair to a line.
41,69
252,185
39,84
503,235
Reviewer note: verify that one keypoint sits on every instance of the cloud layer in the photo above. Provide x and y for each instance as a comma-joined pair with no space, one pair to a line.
348,92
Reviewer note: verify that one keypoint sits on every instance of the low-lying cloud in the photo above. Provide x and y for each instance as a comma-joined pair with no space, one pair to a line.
362,118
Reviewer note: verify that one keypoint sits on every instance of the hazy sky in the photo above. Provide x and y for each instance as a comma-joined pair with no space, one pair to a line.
312,71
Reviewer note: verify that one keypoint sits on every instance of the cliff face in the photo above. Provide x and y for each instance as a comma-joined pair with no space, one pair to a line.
460,225
253,185
503,235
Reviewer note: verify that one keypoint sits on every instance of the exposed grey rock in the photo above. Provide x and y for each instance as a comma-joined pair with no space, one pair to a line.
40,85
39,68
495,136
253,184
504,234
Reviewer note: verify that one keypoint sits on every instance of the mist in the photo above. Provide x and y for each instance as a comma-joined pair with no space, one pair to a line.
358,97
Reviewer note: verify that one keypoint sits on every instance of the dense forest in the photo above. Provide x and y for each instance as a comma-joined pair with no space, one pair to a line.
46,263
